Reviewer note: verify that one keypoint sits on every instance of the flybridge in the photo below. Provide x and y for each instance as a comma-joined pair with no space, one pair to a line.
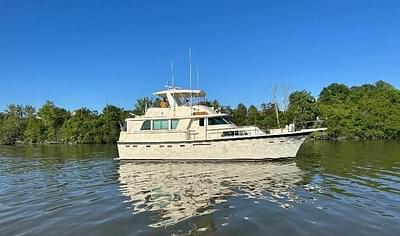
180,97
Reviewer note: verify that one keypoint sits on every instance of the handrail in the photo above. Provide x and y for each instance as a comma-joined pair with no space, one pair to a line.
237,131
307,124
252,130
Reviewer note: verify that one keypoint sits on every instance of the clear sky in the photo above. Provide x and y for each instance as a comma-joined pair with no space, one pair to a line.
90,53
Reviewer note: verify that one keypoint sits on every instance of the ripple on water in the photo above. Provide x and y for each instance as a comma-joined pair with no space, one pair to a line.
184,190
85,193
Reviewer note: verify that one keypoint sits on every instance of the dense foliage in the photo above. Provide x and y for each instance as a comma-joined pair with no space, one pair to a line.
52,124
367,111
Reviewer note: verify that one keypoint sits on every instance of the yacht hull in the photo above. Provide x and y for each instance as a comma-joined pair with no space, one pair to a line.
235,148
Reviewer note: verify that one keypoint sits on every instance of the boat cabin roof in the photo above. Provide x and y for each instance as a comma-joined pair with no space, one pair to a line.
179,97
181,92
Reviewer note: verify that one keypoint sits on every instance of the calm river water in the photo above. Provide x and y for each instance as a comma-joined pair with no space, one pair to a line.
331,188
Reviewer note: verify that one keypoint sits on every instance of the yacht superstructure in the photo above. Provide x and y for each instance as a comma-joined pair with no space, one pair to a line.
179,130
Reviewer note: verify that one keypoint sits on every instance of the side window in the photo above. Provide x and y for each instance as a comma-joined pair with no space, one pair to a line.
216,121
201,122
160,124
124,127
228,119
146,125
174,123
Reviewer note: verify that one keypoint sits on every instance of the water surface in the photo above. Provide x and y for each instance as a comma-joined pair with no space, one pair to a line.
331,188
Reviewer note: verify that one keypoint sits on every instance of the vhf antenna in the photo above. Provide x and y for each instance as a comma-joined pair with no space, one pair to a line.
172,73
190,78
198,84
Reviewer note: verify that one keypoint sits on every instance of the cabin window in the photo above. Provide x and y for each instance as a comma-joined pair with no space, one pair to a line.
228,119
146,125
160,124
234,133
201,122
174,123
124,128
216,121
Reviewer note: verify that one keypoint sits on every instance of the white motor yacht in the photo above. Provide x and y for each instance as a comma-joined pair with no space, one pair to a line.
180,130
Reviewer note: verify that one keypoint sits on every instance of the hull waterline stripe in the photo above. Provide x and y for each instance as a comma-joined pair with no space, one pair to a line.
278,159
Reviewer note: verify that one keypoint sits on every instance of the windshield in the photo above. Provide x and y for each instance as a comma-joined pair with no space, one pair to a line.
228,119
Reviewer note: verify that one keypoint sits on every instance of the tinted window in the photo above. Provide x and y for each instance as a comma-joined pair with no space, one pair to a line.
234,133
174,123
216,121
228,119
201,122
146,125
160,124
124,127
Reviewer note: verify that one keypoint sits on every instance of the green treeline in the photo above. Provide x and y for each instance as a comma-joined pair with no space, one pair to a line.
52,124
370,111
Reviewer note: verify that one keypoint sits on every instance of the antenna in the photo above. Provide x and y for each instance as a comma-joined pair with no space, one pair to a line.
172,73
198,77
198,84
190,76
172,85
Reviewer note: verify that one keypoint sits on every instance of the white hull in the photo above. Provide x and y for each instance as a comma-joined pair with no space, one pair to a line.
249,148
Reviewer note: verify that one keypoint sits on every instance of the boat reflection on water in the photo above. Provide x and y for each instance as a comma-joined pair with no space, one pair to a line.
178,191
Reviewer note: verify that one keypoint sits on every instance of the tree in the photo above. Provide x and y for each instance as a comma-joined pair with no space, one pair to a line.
52,118
240,114
112,118
82,127
253,116
34,130
267,116
13,124
144,103
302,107
334,94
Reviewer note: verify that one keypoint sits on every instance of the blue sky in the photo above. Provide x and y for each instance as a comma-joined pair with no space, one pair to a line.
90,53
